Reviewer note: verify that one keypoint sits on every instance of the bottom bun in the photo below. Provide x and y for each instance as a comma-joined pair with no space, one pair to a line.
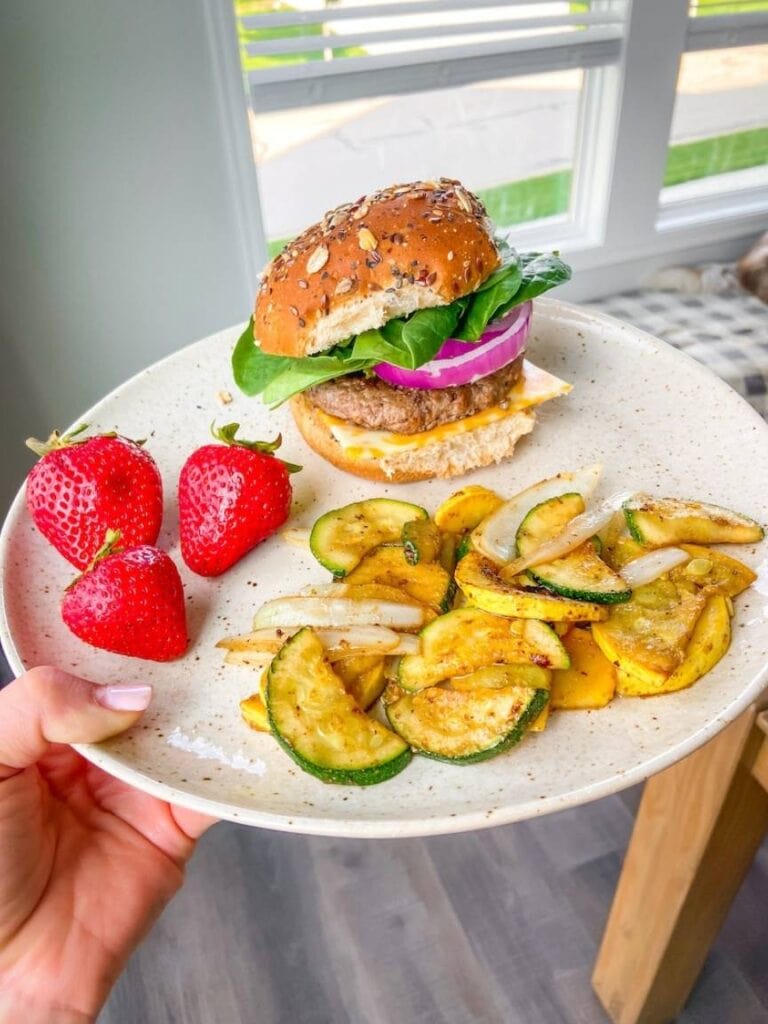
445,457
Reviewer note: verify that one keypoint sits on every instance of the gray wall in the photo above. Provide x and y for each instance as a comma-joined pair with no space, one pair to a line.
119,231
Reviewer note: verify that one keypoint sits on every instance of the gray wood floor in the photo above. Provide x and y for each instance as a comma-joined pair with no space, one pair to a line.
483,928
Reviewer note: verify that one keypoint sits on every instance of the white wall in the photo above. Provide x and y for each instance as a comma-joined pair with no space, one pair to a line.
119,232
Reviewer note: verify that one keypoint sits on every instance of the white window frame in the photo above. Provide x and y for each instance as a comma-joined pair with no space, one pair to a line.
618,231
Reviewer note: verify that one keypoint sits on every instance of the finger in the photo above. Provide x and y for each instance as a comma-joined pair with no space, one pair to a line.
47,706
192,823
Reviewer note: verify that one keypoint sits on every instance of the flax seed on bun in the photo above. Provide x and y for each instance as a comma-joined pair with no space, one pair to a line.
386,255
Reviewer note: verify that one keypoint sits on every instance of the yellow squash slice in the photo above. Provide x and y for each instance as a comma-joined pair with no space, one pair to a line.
467,508
713,572
468,639
590,682
363,677
479,579
254,712
647,636
710,640
427,583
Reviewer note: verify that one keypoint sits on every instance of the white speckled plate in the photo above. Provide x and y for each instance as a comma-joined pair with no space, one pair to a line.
659,422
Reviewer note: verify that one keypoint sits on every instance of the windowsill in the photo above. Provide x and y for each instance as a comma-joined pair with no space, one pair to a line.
733,183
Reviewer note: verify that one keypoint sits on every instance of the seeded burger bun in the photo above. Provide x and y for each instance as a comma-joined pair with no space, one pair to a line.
386,256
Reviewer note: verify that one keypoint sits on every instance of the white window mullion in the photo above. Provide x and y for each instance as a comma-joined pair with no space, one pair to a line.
232,101
593,158
726,30
655,41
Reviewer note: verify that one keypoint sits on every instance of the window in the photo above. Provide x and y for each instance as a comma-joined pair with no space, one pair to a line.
719,137
622,133
488,134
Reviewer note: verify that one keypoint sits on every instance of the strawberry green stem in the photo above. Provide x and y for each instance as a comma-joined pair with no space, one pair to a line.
111,546
227,435
56,441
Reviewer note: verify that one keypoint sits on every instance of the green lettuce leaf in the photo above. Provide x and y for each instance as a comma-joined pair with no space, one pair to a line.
406,341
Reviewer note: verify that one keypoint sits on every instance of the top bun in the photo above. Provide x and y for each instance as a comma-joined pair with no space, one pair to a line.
386,255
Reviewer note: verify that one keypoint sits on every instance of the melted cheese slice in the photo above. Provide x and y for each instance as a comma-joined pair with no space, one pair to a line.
534,387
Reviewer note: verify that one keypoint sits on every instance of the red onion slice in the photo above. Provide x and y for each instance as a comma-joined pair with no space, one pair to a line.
463,362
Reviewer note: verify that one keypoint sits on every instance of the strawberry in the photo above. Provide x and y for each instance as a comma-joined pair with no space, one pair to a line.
232,496
81,487
129,601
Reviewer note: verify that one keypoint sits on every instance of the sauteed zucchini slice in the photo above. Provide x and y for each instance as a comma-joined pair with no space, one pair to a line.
320,726
582,574
498,676
340,538
464,727
421,541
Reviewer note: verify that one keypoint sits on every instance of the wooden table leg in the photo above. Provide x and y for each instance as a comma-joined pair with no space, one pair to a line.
699,825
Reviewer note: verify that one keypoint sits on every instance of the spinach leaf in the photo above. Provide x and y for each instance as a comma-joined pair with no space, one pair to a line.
540,272
253,369
500,289
374,346
303,373
276,378
408,342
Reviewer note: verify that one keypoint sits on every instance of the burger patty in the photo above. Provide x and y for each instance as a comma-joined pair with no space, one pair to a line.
372,403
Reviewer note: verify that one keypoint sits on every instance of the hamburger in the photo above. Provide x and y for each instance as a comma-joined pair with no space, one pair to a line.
396,329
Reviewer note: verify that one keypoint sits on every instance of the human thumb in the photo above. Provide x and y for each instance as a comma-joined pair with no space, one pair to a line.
46,706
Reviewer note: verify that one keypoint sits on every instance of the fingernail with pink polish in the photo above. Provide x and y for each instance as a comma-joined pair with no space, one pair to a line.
131,697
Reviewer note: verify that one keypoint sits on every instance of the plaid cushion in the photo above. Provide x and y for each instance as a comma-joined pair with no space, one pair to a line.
726,332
